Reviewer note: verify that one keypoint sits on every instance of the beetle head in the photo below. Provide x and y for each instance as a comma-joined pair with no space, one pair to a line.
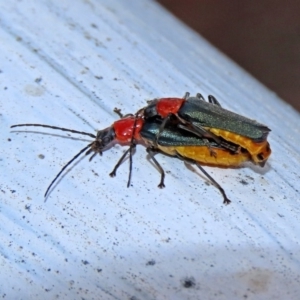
151,110
103,139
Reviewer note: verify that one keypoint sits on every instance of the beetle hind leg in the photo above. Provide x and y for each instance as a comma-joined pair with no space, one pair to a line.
226,201
151,153
214,182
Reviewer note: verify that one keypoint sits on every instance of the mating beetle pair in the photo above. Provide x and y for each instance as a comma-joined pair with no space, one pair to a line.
188,128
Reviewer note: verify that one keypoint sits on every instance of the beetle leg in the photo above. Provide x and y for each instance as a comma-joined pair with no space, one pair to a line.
221,142
197,130
152,152
113,173
204,133
213,100
186,95
161,128
131,148
119,113
93,155
215,183
211,151
200,97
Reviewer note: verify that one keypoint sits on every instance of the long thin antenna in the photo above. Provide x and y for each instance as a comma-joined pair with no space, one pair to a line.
54,127
66,165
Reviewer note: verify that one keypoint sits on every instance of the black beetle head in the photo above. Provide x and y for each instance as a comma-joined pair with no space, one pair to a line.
151,111
103,139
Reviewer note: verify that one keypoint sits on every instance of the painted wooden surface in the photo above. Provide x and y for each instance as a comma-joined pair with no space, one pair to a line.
69,63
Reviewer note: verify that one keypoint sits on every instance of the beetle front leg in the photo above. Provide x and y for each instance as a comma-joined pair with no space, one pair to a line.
118,111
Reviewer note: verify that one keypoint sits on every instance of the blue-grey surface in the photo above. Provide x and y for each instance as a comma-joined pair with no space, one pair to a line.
69,63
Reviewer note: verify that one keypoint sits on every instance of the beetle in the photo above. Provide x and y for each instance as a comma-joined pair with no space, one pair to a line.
182,144
179,143
124,131
209,120
172,140
130,130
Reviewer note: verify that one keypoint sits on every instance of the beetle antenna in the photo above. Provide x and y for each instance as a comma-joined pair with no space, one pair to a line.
54,127
66,165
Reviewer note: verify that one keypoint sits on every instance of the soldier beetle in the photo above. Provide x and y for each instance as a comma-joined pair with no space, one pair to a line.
185,145
130,130
175,138
208,120
176,142
124,131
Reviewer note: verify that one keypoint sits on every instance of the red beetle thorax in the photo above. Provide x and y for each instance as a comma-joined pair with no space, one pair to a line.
166,106
125,128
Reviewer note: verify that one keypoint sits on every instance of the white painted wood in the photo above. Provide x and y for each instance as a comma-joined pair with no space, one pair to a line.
69,63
